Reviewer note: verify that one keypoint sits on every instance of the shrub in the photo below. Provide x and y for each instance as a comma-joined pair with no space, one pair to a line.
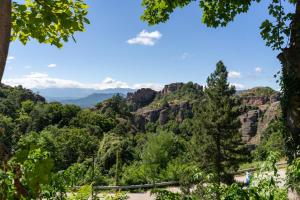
293,174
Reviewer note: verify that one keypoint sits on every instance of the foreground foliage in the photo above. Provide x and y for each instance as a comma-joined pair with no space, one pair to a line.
265,185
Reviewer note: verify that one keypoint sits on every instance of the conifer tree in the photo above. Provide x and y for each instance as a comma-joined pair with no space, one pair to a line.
221,144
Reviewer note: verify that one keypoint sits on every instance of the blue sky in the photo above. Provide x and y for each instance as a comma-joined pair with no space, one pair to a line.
115,52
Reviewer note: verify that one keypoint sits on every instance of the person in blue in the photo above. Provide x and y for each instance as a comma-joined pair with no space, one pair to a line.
248,178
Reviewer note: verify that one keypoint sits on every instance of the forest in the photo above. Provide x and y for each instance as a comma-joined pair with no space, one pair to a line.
48,149
198,137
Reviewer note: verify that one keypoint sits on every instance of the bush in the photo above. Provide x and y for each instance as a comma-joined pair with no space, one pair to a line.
134,174
264,185
165,195
293,174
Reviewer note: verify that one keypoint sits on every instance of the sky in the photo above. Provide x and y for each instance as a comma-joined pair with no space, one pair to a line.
119,50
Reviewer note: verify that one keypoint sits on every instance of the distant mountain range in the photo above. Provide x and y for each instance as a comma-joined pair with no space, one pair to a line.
82,97
90,100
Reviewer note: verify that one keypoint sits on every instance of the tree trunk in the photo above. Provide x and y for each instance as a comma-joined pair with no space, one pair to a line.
290,59
5,31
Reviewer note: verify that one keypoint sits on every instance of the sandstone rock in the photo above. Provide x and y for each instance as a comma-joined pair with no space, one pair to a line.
249,125
171,88
163,117
255,122
141,98
255,101
275,98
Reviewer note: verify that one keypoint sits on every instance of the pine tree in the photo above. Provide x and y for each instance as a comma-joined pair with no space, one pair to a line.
219,139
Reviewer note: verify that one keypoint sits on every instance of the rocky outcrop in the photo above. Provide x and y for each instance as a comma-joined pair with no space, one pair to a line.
249,124
255,122
171,88
162,115
260,100
140,98
262,106
254,101
169,104
150,115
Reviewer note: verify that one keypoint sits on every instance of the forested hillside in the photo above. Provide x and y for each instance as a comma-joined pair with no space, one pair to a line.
145,137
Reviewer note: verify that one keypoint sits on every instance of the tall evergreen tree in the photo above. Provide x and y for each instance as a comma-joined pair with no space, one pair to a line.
219,139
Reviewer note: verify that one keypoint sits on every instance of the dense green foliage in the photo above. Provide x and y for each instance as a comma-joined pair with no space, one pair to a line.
294,175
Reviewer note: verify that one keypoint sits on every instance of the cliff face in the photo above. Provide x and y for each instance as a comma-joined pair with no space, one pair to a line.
140,98
174,102
171,103
162,115
261,111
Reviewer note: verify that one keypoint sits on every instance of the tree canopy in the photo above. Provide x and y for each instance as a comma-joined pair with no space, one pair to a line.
218,13
50,22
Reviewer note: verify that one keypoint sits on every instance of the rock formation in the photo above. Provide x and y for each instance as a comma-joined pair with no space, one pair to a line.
263,109
140,98
151,106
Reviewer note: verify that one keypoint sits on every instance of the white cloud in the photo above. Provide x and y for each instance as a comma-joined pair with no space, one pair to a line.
185,56
43,80
10,58
238,86
146,38
234,74
52,65
153,86
258,69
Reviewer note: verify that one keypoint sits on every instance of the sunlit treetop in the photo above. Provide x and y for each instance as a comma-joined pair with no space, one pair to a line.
51,22
218,13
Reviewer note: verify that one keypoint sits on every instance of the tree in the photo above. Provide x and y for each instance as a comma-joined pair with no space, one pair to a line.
49,22
113,150
6,137
96,123
219,127
73,145
115,106
285,28
159,150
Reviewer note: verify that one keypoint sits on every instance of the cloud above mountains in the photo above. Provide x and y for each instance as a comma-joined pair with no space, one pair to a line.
258,69
234,74
52,65
146,38
238,86
43,80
